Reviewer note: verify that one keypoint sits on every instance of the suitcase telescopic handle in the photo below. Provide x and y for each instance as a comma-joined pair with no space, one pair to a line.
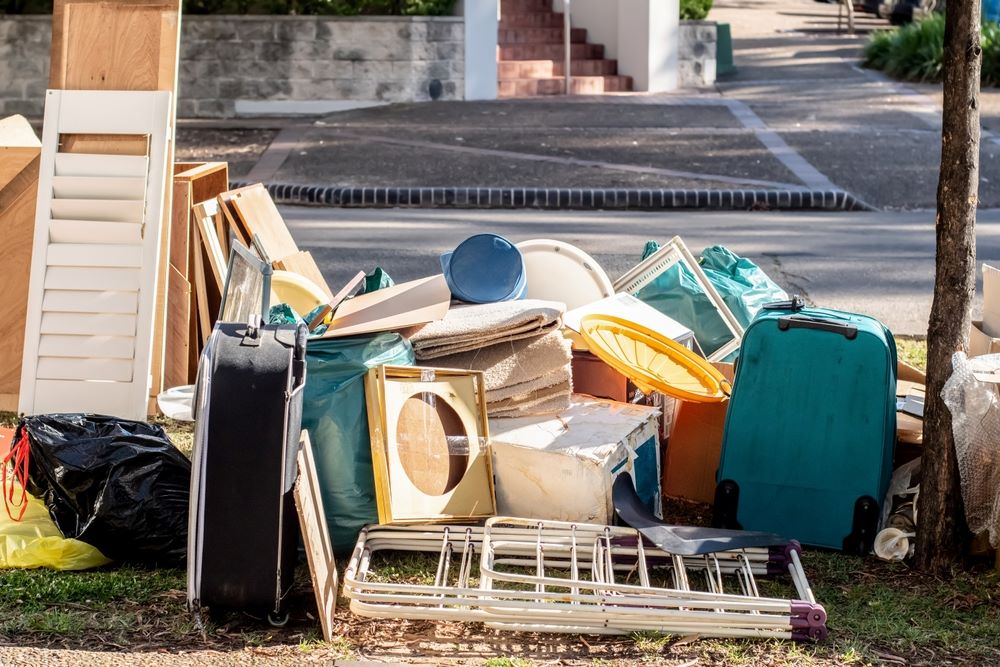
796,303
848,331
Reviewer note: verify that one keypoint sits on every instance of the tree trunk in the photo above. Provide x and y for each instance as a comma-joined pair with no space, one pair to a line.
942,522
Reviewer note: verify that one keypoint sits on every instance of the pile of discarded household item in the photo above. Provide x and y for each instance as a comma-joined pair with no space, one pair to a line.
514,414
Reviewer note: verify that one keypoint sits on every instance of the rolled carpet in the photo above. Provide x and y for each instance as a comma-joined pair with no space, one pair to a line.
471,327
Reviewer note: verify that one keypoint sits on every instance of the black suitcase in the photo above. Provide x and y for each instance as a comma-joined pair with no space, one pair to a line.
243,530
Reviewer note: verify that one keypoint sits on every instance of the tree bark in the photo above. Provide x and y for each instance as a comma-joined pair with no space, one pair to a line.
942,521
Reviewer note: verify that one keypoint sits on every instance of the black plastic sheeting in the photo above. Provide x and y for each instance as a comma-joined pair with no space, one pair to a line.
118,485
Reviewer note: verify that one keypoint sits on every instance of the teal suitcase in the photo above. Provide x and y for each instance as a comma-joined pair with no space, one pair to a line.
811,427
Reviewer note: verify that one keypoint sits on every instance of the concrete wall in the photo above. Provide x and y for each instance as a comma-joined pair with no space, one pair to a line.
697,57
641,35
251,65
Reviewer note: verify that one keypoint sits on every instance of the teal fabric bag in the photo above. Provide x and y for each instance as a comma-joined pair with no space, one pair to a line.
336,416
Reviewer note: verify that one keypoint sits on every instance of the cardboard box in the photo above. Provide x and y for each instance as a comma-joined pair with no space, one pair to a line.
982,333
694,447
562,466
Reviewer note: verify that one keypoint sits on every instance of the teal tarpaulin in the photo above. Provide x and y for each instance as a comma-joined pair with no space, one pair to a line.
335,414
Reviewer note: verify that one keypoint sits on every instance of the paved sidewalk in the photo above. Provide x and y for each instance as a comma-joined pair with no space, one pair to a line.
799,113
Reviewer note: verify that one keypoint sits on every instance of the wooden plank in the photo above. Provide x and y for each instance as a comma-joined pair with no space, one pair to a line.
180,227
260,217
303,264
175,364
234,222
114,45
204,317
204,214
316,536
125,145
17,226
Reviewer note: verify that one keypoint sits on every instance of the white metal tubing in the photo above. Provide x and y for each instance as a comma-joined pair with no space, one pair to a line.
609,606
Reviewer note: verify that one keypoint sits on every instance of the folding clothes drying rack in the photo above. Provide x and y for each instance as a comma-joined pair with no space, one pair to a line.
552,576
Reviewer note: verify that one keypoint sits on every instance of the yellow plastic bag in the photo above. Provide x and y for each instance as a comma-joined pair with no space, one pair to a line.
34,541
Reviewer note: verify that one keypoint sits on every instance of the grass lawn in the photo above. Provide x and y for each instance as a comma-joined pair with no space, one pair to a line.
879,613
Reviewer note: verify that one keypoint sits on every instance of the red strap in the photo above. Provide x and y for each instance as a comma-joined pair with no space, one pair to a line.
17,459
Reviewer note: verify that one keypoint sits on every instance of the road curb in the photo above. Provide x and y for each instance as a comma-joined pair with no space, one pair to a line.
638,199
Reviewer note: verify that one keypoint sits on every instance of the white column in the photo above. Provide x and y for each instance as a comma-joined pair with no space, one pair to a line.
481,23
648,41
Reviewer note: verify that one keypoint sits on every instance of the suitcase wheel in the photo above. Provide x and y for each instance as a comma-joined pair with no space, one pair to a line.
727,499
277,619
864,526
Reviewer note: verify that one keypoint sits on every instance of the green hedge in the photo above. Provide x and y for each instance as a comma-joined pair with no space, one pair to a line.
915,52
695,10
329,7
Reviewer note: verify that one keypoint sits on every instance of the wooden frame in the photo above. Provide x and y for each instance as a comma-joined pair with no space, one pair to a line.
672,253
316,536
403,493
115,386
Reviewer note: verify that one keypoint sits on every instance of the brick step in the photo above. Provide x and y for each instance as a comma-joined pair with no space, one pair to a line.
581,85
544,69
514,36
524,6
531,20
550,52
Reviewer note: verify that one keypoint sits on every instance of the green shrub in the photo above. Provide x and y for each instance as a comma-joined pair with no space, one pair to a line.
915,52
328,7
695,10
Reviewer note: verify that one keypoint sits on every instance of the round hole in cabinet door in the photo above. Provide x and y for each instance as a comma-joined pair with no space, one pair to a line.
432,444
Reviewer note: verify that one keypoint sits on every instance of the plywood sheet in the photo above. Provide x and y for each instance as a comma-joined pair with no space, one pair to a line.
17,225
303,264
114,45
393,308
260,217
316,536
175,364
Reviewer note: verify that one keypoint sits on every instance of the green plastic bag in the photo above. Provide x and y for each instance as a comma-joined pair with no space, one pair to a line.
335,414
677,294
742,284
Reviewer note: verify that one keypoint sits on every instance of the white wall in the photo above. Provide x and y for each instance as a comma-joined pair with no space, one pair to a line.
643,35
600,18
481,18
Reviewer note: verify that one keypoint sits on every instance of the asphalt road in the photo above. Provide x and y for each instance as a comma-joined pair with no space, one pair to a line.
876,263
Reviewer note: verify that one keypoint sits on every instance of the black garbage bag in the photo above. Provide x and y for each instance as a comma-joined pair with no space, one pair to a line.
118,485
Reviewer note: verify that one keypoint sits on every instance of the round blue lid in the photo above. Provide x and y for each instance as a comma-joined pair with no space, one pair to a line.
485,268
